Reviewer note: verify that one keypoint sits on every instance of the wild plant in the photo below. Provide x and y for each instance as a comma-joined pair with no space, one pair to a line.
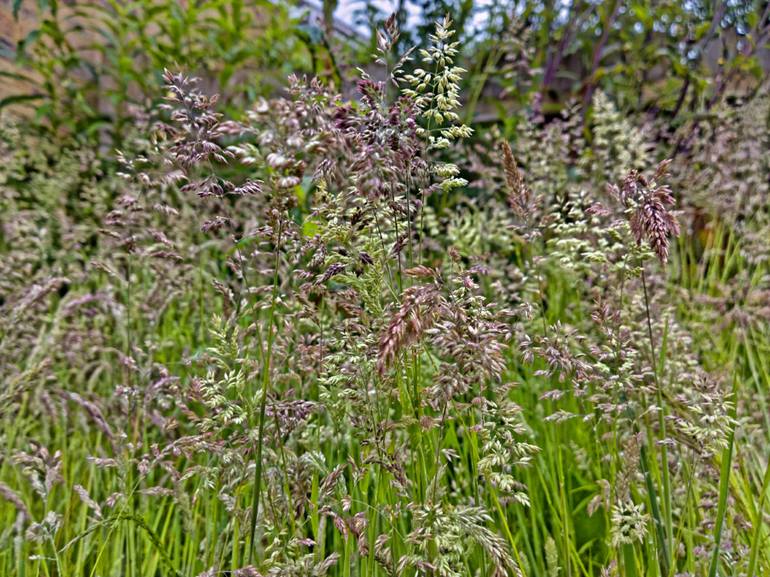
342,336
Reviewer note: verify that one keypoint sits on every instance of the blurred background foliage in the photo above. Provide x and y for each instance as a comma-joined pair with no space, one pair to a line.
86,68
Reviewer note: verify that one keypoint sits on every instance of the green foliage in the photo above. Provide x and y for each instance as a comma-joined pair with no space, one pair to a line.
96,63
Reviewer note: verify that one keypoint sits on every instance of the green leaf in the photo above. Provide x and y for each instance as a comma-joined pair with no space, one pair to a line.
643,14
18,99
702,29
16,8
310,227
15,76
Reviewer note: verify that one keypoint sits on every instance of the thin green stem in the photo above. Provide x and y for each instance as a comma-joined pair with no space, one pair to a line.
266,367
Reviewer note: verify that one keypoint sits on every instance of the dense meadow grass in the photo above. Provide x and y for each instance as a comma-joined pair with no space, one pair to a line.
358,337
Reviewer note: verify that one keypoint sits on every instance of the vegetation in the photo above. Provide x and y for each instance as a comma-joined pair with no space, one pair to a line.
495,303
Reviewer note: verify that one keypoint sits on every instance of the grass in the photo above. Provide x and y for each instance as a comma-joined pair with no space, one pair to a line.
159,538
328,387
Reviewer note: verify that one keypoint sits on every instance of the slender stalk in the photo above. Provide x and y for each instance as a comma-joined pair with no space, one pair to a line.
666,544
724,489
266,366
758,524
629,560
